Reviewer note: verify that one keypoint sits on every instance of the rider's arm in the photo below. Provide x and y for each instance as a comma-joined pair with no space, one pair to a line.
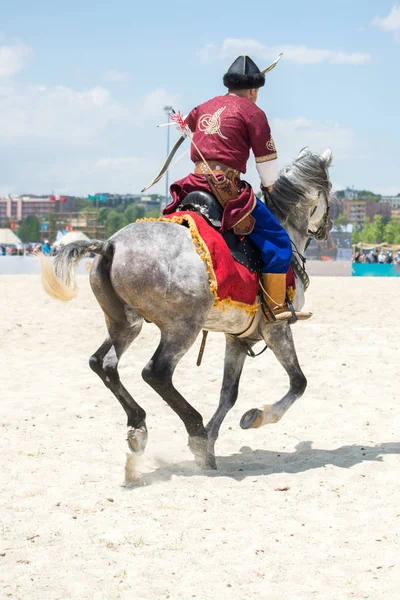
268,172
263,147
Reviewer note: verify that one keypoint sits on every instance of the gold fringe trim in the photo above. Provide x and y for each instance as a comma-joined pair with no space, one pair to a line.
204,253
291,293
266,157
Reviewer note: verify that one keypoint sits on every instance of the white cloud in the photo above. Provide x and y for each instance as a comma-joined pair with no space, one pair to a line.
208,53
64,116
291,135
152,106
300,54
56,114
13,58
391,22
65,138
317,135
54,130
82,176
126,173
130,173
113,75
117,163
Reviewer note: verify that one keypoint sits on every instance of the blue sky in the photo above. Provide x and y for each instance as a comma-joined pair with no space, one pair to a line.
83,86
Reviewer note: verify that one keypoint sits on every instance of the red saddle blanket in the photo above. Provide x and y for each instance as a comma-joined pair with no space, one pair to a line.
231,283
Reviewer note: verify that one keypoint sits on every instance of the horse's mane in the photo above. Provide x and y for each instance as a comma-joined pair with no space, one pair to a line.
291,193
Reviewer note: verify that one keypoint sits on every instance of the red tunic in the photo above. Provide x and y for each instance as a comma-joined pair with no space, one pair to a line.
225,129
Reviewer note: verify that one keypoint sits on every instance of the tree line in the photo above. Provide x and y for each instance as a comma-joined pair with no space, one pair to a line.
118,217
376,231
114,218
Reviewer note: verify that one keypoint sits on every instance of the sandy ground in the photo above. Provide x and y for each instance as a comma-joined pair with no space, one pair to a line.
341,268
306,508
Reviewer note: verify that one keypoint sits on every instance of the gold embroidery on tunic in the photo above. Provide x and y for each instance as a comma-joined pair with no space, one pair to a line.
261,159
271,145
211,124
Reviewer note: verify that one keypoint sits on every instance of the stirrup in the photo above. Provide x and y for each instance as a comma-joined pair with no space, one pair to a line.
273,319
268,312
294,318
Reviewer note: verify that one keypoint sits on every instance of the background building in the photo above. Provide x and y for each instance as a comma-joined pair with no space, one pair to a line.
356,211
396,214
394,201
17,208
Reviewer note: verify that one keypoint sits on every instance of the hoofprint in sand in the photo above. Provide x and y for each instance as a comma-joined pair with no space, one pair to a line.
306,508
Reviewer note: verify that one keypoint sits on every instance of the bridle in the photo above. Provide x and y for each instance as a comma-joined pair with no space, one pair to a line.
300,267
316,234
299,260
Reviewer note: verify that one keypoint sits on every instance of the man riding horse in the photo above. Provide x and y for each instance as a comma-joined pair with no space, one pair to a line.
225,129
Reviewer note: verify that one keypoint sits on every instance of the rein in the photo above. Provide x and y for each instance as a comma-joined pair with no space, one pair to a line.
315,234
300,269
298,261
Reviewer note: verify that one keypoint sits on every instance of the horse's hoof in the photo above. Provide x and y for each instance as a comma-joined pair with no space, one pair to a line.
207,463
204,460
270,416
137,439
252,419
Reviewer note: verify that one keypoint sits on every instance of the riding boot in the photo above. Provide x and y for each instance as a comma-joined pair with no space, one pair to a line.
275,306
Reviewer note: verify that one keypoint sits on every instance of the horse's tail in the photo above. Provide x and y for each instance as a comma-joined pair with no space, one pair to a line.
58,277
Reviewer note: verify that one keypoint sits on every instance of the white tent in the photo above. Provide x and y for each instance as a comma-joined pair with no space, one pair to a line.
71,236
7,236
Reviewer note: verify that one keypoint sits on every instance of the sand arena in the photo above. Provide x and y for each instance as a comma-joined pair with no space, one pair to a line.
307,508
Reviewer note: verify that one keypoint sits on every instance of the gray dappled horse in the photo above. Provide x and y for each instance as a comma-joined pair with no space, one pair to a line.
151,270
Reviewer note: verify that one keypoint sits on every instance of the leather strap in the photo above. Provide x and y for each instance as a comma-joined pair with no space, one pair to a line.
245,226
300,271
216,168
225,189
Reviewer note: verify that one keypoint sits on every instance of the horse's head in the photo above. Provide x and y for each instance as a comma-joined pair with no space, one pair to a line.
302,194
319,193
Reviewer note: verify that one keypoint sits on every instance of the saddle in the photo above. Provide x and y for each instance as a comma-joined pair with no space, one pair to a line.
242,249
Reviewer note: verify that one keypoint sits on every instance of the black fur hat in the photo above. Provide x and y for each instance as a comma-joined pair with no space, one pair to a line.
243,74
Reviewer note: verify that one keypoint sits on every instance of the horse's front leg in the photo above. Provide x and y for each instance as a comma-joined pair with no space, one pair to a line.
279,339
235,355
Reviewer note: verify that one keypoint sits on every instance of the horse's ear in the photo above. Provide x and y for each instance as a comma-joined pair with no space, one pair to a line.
304,152
327,157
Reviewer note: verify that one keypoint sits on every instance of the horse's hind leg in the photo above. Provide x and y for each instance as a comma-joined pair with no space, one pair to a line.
279,339
104,362
123,325
158,374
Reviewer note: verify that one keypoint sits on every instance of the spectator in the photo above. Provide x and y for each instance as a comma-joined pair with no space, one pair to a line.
46,248
370,257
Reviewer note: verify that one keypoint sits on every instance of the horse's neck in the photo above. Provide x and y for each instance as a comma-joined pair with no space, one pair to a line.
299,241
